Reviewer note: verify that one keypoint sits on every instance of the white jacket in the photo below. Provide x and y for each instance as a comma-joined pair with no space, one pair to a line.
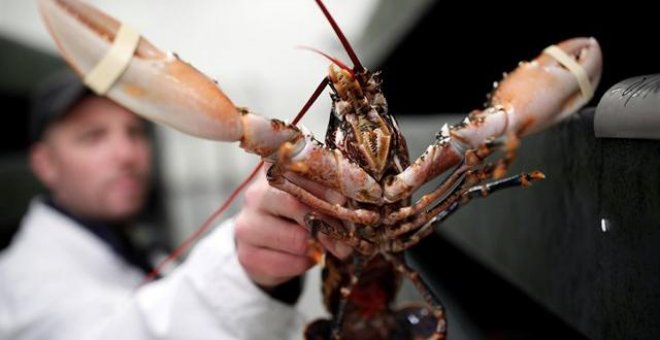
59,281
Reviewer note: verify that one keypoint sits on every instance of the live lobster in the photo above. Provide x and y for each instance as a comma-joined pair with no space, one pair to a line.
364,165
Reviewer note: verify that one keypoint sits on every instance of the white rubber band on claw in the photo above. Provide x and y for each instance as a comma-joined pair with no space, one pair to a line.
578,71
101,78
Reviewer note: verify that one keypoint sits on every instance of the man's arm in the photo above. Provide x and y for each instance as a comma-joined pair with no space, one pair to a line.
230,276
210,296
230,273
221,291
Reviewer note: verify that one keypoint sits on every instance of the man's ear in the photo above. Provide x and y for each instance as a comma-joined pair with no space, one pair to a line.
42,164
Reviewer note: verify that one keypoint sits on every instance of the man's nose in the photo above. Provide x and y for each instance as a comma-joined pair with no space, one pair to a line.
126,148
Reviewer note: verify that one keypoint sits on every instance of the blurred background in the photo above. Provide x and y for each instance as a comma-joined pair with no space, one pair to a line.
437,58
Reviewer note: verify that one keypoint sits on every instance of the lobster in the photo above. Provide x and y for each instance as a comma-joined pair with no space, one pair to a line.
364,167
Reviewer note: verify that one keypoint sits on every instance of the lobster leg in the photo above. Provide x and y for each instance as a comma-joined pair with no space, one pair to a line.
154,84
429,198
468,178
317,224
453,205
472,158
471,179
362,216
534,96
399,245
421,219
437,308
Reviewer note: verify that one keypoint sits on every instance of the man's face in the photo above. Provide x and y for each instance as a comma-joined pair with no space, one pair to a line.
96,160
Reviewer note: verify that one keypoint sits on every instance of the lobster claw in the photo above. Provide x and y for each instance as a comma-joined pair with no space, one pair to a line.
539,93
156,85
546,90
162,88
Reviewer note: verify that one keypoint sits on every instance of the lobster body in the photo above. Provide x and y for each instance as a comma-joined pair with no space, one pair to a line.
363,130
368,135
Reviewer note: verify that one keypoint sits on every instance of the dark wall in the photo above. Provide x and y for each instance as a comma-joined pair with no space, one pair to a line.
21,68
477,42
581,244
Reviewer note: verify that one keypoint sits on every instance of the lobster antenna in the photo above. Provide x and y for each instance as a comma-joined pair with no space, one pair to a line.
347,46
332,59
311,100
190,240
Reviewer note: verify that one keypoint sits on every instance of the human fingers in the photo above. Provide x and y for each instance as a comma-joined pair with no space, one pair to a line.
261,199
270,268
268,231
285,205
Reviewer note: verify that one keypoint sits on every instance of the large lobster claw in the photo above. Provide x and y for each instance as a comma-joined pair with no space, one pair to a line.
534,96
162,88
155,85
546,90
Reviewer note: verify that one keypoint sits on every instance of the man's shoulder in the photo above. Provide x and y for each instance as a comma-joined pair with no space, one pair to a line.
49,243
53,259
35,248
32,269
50,270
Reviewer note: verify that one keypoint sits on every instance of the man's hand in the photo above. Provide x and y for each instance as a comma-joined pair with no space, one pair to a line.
272,241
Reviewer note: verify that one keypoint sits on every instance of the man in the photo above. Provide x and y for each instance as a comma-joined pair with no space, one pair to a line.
70,272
